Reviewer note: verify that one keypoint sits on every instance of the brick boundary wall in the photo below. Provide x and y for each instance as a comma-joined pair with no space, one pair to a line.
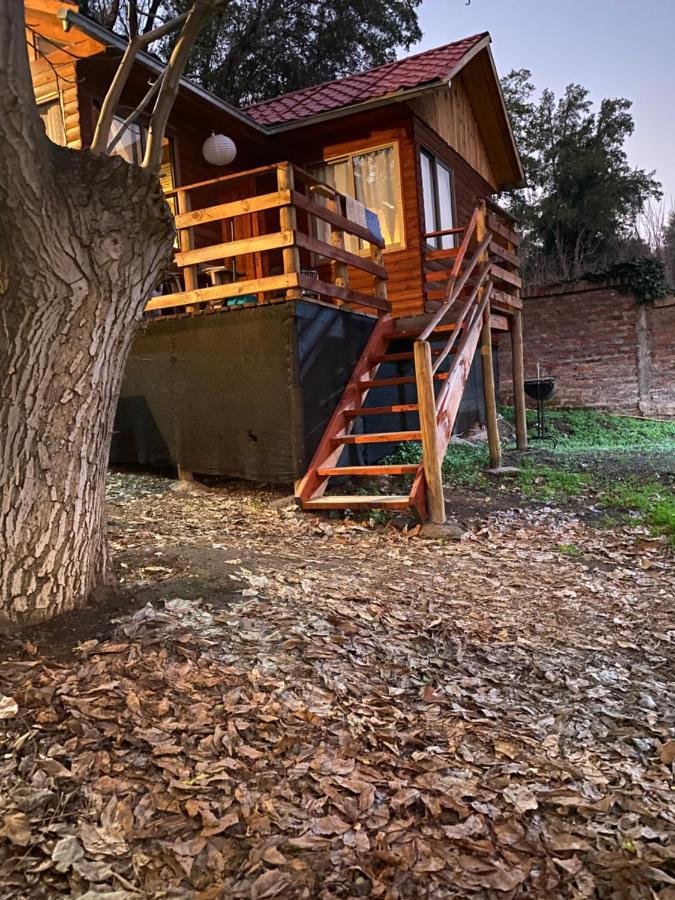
606,350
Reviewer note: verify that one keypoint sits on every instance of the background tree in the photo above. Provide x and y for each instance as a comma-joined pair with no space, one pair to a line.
262,48
84,238
583,200
669,248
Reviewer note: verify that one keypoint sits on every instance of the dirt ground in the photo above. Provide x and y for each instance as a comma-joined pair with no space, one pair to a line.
279,705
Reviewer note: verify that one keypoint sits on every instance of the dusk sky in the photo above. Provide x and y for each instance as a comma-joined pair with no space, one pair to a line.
616,48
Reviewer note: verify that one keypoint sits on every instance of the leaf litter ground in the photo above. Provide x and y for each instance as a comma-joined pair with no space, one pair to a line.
292,707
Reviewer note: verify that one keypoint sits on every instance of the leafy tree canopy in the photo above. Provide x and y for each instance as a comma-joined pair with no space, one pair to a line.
579,210
256,49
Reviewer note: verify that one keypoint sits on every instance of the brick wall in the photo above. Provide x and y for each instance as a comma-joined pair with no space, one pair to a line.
604,349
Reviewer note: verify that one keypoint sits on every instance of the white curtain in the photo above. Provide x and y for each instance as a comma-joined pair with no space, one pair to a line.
375,184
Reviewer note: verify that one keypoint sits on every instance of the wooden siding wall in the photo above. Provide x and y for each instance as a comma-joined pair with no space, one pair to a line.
49,86
449,112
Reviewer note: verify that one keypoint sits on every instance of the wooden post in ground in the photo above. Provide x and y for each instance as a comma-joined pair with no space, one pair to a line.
486,358
489,392
426,401
288,221
517,368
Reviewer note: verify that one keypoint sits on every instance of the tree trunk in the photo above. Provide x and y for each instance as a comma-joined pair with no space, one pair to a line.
80,252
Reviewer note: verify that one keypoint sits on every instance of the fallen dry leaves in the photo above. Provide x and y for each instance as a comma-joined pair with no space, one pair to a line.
311,708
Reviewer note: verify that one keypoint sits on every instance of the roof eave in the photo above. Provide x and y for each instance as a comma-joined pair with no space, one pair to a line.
110,39
363,106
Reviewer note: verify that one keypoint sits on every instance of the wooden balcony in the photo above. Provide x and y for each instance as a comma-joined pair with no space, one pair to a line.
267,235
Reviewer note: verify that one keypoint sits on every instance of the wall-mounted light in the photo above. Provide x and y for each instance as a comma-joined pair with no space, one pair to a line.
219,150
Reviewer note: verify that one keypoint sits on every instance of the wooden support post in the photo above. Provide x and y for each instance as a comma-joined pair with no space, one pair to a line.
428,426
186,242
489,392
288,221
379,284
517,368
185,474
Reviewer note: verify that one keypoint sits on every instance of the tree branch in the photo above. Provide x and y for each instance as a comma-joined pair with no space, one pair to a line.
171,81
24,146
112,98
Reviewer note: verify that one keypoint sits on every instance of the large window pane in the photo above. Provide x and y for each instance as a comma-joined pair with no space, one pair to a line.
372,179
437,194
130,145
376,186
428,193
446,215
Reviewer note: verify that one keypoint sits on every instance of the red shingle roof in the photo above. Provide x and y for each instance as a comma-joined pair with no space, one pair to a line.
432,65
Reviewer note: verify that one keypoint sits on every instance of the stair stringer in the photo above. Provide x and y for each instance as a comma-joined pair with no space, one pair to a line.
313,485
456,383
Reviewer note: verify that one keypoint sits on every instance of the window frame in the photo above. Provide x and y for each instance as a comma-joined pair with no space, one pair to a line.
436,243
398,186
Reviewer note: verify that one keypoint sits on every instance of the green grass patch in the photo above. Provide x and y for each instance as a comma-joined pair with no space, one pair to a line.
569,549
586,431
463,465
540,482
651,504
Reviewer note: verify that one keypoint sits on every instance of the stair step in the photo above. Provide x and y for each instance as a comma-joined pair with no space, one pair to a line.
399,357
404,335
383,437
370,470
381,410
403,379
359,501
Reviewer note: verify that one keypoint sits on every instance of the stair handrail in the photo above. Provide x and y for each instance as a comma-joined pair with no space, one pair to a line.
450,293
478,311
482,275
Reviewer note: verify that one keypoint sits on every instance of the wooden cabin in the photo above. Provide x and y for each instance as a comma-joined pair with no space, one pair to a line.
355,225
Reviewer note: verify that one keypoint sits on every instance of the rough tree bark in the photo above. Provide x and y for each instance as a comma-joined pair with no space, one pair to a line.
84,239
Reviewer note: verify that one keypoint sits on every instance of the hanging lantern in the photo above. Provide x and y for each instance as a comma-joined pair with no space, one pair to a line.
219,150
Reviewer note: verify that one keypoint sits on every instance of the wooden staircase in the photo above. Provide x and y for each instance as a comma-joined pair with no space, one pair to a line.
432,355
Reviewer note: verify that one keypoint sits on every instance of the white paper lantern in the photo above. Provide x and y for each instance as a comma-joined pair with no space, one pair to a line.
219,150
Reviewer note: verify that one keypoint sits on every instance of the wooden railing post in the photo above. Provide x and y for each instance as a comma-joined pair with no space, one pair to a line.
337,239
289,222
518,370
379,284
426,402
186,242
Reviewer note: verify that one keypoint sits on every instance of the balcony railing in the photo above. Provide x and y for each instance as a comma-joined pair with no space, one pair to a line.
446,269
269,234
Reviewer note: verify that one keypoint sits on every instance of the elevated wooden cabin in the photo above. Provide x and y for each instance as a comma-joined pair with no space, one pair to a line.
284,285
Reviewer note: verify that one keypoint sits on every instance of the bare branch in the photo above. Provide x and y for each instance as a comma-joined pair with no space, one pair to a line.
23,142
171,81
112,98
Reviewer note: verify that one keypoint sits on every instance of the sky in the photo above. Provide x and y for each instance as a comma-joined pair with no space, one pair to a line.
615,48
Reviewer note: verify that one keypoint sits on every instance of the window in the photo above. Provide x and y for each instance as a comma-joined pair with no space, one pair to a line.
439,205
131,146
372,178
52,116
